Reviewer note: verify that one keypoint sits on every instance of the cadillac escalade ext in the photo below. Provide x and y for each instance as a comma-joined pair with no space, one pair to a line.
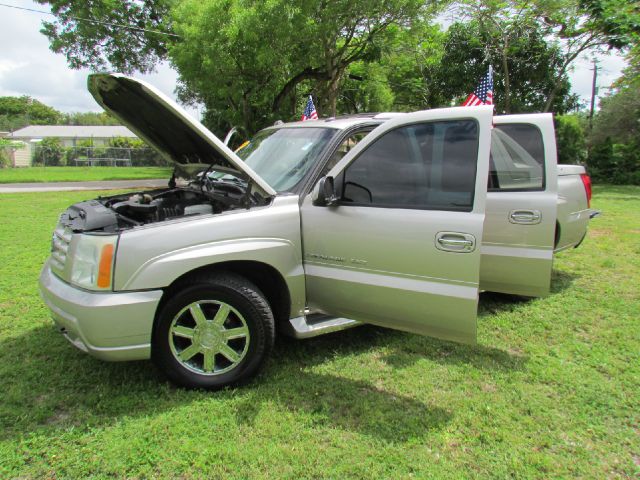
397,220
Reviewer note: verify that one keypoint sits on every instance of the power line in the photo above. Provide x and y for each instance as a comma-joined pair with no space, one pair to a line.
90,20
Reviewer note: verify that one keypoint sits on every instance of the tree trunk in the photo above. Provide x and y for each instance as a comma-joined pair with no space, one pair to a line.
333,89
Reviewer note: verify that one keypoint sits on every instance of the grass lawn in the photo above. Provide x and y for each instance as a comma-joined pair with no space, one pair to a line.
552,390
79,174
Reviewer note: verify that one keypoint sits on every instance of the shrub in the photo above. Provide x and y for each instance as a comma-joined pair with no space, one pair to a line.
615,162
570,139
49,152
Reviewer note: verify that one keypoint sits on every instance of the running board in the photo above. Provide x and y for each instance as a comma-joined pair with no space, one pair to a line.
317,324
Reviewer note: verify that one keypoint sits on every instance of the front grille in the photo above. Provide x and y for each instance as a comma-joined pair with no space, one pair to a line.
59,247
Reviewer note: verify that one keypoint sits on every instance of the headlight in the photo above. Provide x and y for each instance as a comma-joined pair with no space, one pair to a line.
92,266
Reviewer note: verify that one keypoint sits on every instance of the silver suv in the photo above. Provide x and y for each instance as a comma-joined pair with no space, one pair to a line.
312,227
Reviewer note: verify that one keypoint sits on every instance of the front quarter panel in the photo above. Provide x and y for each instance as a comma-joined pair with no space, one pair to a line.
155,256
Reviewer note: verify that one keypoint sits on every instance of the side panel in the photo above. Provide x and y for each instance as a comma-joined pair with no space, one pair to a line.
411,269
155,256
573,213
382,266
519,229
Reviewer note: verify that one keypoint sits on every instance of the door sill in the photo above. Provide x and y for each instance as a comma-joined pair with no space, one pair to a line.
317,324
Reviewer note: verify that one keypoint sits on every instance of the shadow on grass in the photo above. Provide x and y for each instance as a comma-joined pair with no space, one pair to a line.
491,303
49,386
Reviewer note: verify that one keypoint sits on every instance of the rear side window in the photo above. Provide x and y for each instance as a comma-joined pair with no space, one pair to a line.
427,166
517,158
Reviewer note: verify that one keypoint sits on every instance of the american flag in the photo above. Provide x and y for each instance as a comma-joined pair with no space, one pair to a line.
309,111
483,94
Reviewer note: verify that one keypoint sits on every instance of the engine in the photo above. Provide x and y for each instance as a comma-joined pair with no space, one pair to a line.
149,208
121,212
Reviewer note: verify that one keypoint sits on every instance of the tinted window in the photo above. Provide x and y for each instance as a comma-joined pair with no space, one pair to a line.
346,145
517,158
428,165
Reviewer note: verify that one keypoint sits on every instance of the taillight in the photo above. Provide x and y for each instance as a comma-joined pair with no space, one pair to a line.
586,181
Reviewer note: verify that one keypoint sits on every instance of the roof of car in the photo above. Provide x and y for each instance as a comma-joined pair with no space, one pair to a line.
341,122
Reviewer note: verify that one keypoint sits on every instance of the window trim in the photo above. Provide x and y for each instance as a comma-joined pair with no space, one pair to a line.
315,176
466,209
544,163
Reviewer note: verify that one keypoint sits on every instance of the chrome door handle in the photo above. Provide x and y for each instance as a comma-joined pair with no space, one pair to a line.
525,217
455,242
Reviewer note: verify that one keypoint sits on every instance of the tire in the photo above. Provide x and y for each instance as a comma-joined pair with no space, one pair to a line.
215,332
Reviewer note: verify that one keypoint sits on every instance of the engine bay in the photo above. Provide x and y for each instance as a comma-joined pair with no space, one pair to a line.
121,212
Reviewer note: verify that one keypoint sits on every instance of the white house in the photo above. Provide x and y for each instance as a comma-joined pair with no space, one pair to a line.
69,136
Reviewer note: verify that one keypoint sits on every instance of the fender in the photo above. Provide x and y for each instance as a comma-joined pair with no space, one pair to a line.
161,271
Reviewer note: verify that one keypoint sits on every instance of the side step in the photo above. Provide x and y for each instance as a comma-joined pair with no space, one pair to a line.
317,324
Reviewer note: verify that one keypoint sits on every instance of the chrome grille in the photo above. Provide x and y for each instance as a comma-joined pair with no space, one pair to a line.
59,247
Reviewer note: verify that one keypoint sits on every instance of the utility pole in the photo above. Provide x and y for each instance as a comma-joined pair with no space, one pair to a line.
594,91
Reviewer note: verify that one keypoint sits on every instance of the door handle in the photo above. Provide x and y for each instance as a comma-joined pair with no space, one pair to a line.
525,217
455,242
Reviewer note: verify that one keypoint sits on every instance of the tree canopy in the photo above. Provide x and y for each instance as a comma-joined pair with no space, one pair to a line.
17,112
252,62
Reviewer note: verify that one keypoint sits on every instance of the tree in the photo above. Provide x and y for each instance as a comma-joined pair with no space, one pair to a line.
49,152
618,21
249,62
91,34
615,139
570,139
573,27
525,67
89,118
18,112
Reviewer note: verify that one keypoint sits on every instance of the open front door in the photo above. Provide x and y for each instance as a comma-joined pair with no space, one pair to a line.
401,246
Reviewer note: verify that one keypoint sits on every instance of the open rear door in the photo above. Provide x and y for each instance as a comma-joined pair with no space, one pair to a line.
522,203
401,247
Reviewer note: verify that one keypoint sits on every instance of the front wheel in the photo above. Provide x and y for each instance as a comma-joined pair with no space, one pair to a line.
213,333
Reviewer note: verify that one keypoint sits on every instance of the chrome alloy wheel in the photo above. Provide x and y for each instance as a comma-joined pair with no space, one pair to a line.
209,337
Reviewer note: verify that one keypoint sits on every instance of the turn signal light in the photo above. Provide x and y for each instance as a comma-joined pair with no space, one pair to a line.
104,270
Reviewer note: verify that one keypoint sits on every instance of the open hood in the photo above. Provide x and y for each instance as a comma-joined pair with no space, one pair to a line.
163,124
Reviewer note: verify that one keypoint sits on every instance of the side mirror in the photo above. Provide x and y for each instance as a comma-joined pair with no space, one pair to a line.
324,194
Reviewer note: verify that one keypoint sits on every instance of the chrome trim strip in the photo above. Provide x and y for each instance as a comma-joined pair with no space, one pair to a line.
389,281
520,252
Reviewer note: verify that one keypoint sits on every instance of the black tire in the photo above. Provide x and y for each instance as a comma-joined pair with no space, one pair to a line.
248,306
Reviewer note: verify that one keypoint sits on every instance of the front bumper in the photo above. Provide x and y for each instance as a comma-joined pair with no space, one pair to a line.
110,326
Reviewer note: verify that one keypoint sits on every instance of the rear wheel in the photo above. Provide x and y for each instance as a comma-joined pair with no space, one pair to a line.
213,333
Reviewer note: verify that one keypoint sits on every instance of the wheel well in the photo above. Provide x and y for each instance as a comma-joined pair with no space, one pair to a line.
263,276
556,239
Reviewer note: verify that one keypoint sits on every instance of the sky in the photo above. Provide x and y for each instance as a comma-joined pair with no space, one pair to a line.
28,67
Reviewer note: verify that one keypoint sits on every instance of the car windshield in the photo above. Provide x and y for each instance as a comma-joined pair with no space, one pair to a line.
283,156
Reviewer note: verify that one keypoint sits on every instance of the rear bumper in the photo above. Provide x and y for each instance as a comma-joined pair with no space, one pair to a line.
110,326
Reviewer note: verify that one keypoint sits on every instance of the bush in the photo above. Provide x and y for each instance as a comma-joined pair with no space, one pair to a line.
617,163
570,139
49,152
5,160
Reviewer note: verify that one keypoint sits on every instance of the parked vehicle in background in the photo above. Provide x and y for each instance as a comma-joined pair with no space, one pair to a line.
313,227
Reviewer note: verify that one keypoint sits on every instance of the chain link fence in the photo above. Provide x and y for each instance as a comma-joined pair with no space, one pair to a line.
54,155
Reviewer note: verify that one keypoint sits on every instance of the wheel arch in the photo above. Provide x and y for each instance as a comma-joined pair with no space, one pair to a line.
264,276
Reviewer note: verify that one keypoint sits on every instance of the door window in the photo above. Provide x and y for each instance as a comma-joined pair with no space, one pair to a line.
345,146
517,158
428,166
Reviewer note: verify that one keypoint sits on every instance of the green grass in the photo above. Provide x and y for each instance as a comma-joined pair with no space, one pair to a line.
551,391
79,174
